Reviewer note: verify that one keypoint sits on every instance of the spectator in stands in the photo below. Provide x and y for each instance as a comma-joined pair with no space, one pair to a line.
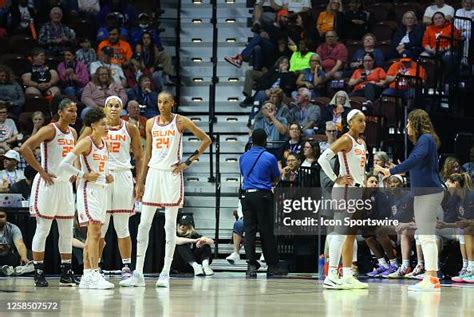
381,159
469,166
311,151
313,77
88,7
147,56
10,174
305,113
274,126
86,54
13,252
145,25
8,130
293,145
368,81
20,17
293,6
40,80
264,13
333,56
290,171
337,110
23,186
127,10
356,21
405,66
11,94
122,52
262,44
145,96
438,6
408,37
252,76
436,38
331,19
192,248
300,59
278,98
112,21
331,134
465,26
105,57
73,75
450,166
278,77
134,117
99,88
369,40
54,35
38,120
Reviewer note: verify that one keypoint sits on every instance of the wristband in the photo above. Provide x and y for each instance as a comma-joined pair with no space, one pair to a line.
189,161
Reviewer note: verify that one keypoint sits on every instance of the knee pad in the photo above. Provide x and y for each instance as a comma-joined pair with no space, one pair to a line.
43,226
121,225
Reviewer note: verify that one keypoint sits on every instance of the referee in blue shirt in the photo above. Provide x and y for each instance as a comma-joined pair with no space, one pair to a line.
259,170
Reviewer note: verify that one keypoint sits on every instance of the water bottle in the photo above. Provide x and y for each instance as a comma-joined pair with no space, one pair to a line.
321,263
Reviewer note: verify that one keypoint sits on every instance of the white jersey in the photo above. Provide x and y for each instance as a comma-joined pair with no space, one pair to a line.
96,161
353,161
119,143
167,147
54,150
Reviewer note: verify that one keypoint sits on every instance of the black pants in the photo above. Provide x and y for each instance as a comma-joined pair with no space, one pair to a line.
11,259
186,255
257,208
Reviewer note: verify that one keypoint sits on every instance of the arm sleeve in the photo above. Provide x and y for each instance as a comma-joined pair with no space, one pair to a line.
67,165
325,163
416,156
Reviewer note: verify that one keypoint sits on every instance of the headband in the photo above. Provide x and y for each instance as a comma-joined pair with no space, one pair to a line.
353,113
113,97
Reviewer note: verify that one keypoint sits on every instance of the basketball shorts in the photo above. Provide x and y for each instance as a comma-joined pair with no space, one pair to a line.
54,201
120,195
163,189
91,203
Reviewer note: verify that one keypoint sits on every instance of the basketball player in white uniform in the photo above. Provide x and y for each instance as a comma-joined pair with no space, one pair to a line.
52,196
163,172
121,138
94,178
351,151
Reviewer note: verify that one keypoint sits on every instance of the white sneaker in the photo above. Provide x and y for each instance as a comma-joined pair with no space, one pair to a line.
25,269
208,271
163,281
233,257
429,284
198,270
262,258
136,280
85,281
353,283
99,282
333,282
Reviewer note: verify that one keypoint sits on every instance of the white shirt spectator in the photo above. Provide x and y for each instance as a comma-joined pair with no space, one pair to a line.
117,72
11,177
463,25
446,9
91,6
295,6
7,129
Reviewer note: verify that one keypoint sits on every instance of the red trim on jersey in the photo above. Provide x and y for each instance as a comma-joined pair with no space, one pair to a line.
164,125
86,207
87,163
68,128
98,147
176,204
54,128
45,155
121,211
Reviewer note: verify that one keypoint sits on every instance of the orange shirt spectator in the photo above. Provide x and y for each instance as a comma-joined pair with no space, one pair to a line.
327,19
122,51
404,66
374,76
440,27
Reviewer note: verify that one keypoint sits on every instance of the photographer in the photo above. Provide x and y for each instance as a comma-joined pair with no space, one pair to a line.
368,81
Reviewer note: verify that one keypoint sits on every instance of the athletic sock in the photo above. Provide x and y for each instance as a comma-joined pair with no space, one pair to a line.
393,262
405,263
347,272
332,272
66,261
465,264
383,262
470,266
